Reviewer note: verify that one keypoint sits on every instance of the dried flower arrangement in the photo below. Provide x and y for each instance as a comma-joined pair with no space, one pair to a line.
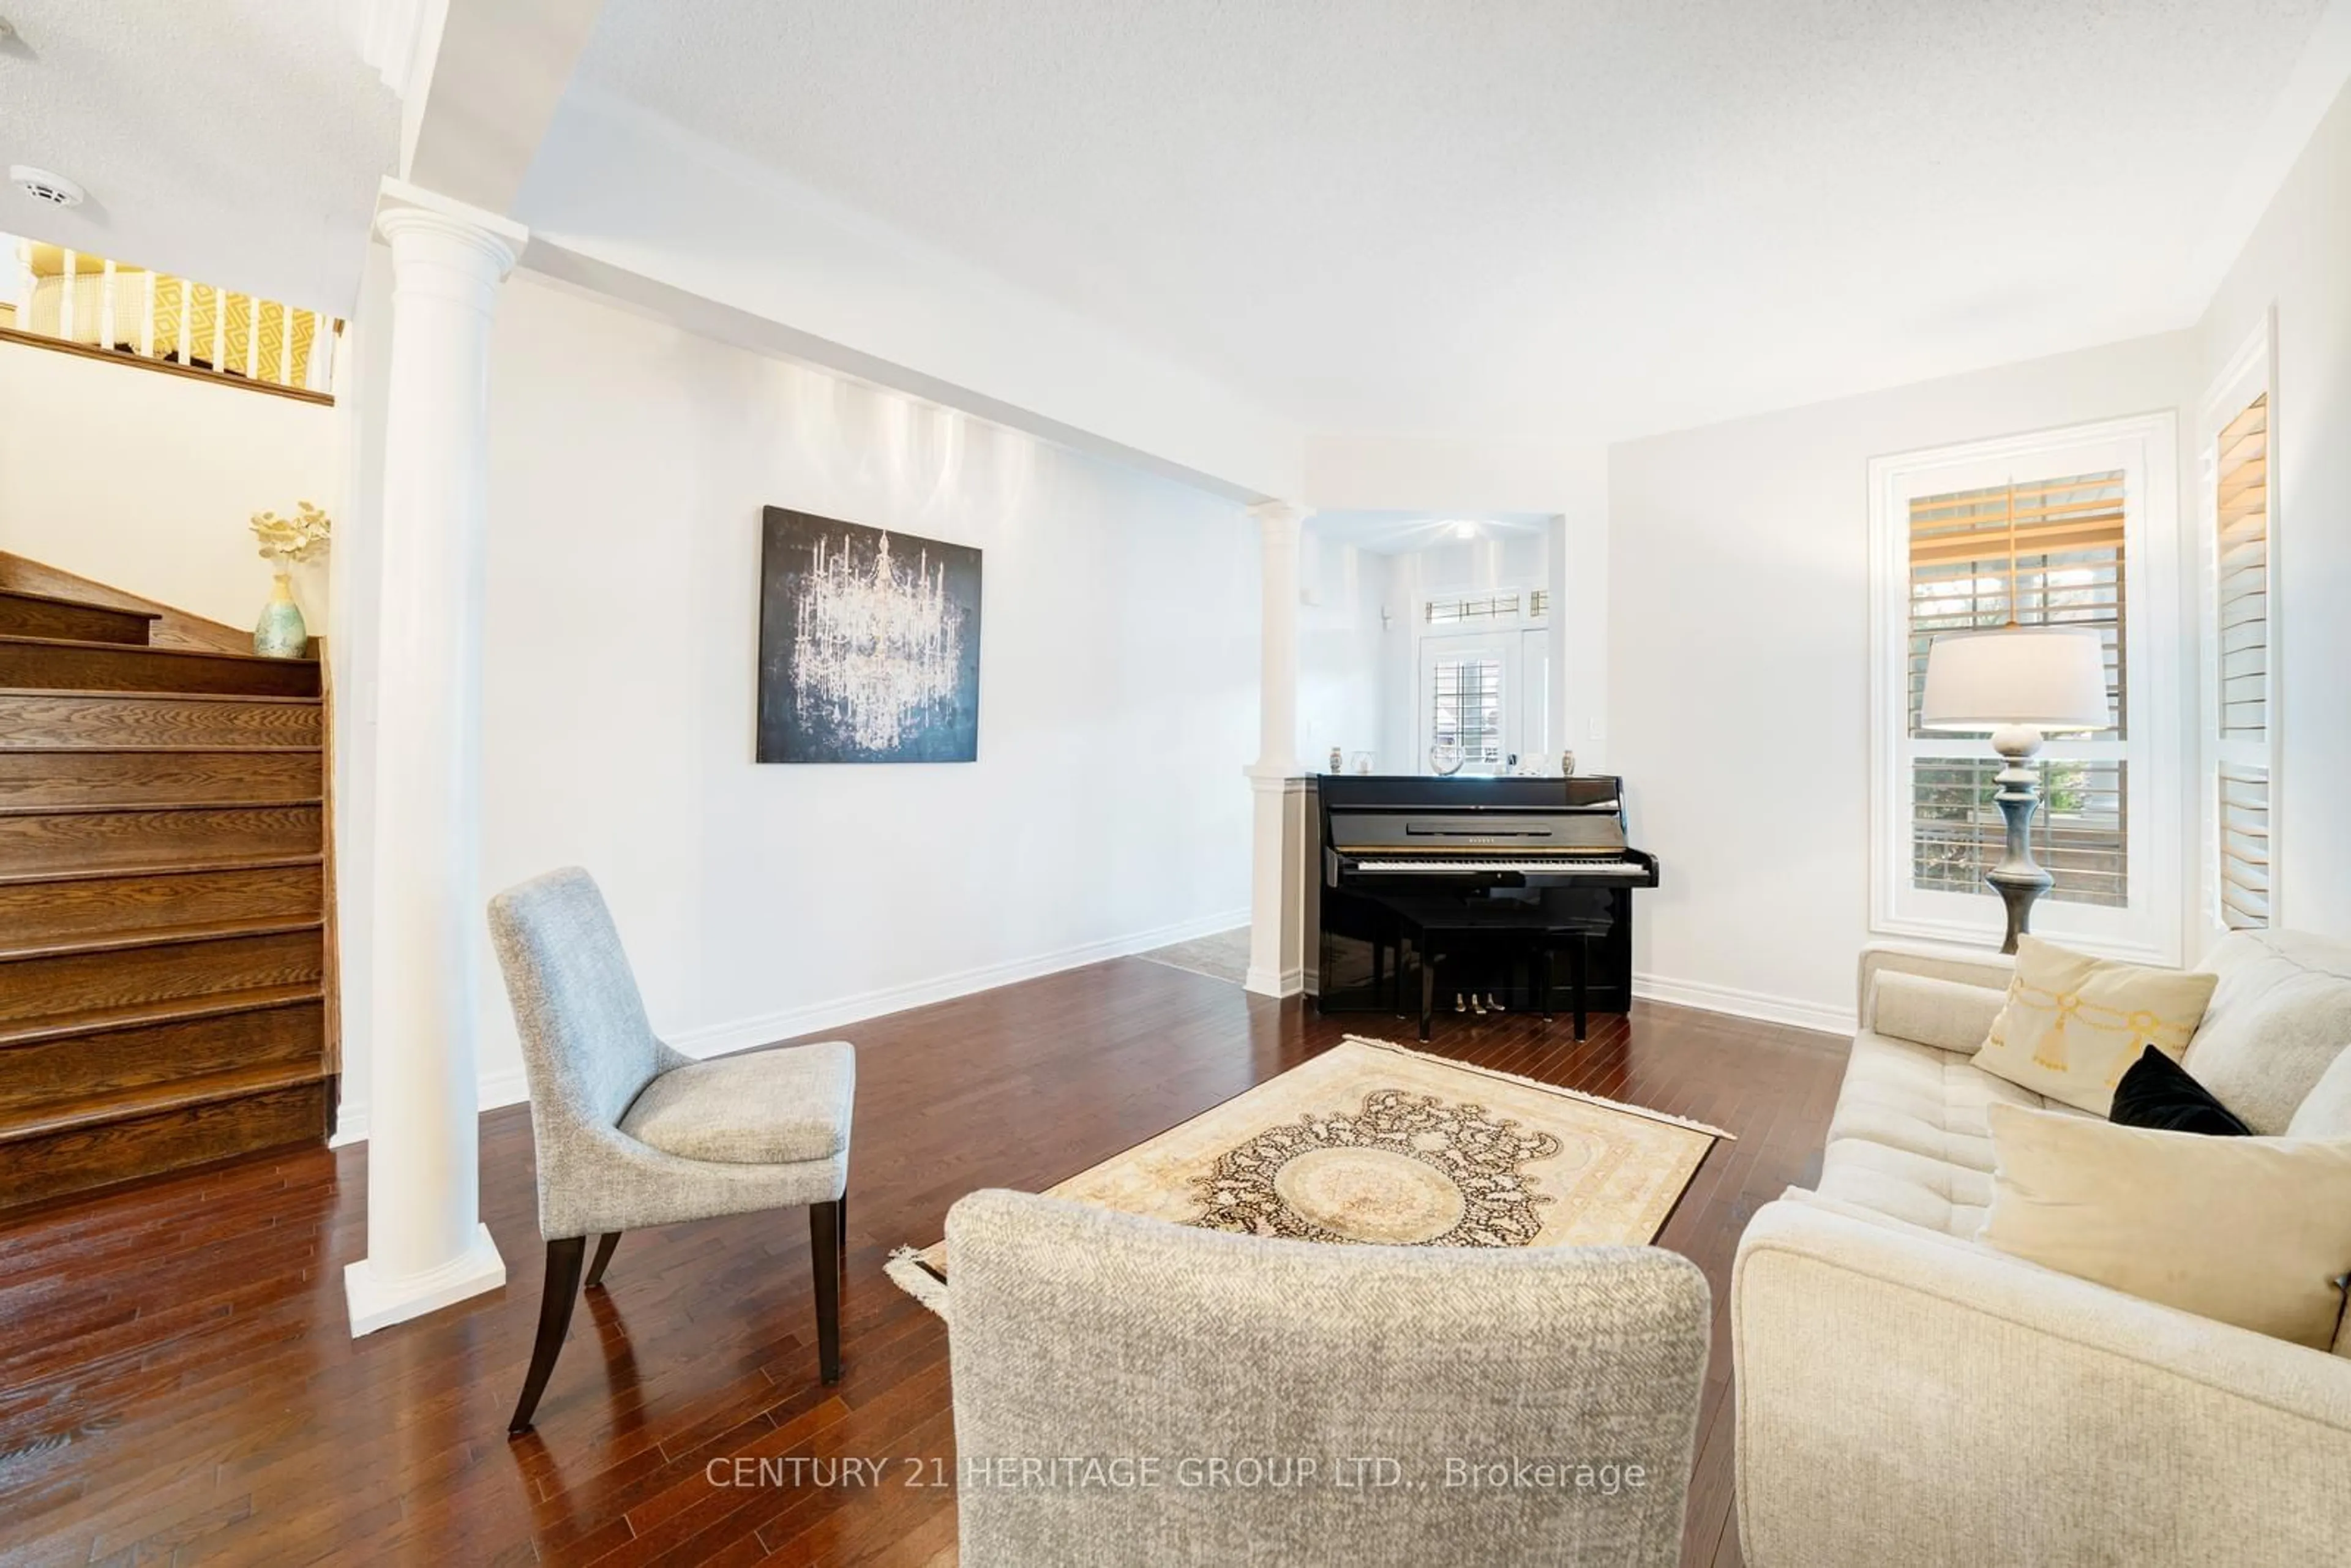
286,540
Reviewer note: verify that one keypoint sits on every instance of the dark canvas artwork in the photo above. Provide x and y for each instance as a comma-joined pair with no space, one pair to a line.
868,644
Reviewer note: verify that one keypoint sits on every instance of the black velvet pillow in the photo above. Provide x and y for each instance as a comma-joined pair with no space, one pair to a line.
2158,1092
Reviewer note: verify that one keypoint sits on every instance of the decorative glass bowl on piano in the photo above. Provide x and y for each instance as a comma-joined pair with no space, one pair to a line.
1445,758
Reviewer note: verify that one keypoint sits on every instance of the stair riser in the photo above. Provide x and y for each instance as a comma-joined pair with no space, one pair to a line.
34,990
152,670
174,778
116,905
21,616
92,840
38,1077
35,719
92,1158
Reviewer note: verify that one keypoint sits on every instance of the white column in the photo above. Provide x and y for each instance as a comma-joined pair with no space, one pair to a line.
1276,885
426,1246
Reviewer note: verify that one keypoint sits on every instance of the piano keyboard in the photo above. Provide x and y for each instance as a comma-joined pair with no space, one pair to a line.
1462,864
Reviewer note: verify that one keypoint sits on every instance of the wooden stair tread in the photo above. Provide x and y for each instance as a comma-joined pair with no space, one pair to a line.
111,694
149,1098
91,809
161,868
82,645
99,1021
7,593
157,937
195,749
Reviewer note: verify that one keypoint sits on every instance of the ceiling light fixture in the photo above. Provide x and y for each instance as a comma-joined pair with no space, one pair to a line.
43,186
1465,530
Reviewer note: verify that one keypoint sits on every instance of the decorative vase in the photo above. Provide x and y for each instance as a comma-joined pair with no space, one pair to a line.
280,633
1567,764
1445,759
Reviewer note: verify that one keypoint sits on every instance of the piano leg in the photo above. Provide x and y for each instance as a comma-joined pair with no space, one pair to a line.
1543,978
1428,992
1579,961
1379,968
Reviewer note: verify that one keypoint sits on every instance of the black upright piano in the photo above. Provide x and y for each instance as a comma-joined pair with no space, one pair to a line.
1514,893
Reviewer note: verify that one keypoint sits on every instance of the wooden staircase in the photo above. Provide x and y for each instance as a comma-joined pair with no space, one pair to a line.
164,892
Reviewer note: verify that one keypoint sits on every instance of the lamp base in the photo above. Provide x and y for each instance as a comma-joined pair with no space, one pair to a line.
2017,880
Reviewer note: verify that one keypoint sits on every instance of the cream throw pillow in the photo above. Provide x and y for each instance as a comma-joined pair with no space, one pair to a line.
2249,1231
2073,1023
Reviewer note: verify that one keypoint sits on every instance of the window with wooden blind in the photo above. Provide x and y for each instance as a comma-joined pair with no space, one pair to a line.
2063,528
2069,568
2239,759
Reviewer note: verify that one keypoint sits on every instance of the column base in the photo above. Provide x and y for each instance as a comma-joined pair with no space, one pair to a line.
1273,983
376,1302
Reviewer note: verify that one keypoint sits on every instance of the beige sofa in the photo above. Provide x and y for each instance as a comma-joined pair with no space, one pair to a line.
1908,1395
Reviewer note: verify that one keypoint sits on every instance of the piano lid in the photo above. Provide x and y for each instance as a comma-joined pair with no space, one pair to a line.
1406,791
1385,814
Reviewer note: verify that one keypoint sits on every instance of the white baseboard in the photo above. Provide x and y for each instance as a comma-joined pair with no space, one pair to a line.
1746,1004
718,1040
1287,982
508,1087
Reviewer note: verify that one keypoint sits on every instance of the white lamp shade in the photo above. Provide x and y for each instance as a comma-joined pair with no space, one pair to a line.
2040,677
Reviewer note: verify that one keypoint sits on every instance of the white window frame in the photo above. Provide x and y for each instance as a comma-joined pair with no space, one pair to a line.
2143,447
2250,373
1523,641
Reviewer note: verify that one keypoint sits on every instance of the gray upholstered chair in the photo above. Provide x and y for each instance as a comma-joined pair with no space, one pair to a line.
631,1133
1105,1366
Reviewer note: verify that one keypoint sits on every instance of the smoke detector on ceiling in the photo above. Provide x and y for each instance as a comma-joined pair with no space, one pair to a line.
43,186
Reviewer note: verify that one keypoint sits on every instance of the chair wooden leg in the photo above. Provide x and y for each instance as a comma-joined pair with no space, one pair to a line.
604,1246
840,1227
555,1302
824,1261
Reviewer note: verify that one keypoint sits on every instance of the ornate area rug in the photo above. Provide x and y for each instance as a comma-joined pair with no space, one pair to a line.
1372,1143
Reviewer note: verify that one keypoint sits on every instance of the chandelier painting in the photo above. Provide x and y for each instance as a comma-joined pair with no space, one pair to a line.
868,644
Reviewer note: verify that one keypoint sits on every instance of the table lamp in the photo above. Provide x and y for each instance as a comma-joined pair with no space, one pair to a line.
2016,683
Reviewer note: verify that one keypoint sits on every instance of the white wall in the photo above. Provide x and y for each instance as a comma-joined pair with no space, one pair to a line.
2298,261
1343,675
629,461
145,481
1738,663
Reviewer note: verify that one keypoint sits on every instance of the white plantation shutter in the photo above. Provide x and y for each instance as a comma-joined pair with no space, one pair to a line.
2070,570
2240,676
1467,697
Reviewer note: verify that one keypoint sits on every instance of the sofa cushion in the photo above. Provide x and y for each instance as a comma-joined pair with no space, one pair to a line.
1945,1014
2074,1024
1916,1098
1909,1137
2249,1231
2325,1110
2280,1016
1917,1189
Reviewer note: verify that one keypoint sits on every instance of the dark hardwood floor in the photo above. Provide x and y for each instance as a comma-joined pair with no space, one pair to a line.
178,1383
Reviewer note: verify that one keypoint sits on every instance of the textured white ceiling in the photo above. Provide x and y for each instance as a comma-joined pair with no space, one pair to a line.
1526,218
237,142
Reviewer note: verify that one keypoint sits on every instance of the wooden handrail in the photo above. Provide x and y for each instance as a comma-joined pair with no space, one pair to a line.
193,372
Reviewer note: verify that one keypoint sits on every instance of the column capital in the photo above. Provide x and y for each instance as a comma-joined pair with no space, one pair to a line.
1278,514
403,209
